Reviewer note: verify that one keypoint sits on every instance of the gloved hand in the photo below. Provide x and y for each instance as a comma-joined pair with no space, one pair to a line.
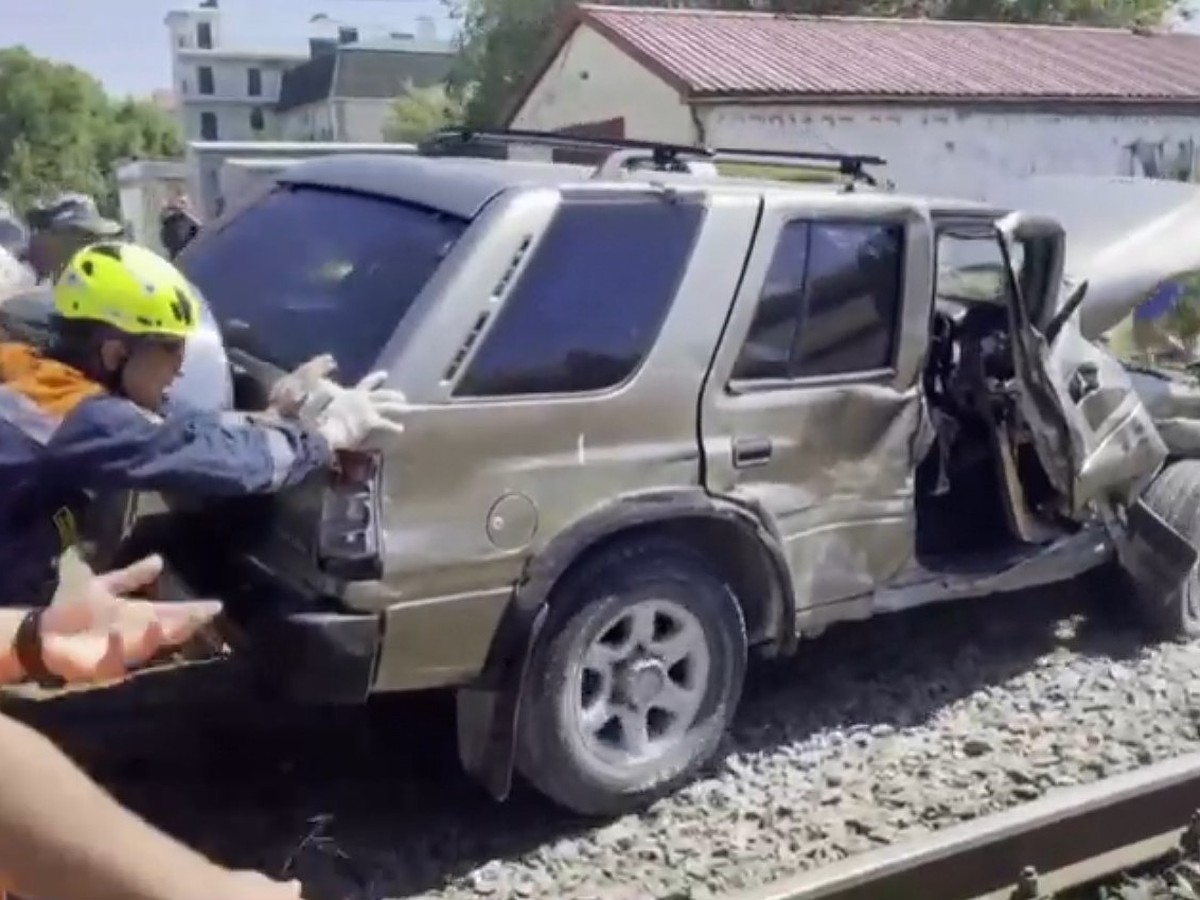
346,417
289,392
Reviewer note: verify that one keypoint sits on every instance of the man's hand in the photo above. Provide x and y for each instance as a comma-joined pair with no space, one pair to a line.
97,634
291,391
346,417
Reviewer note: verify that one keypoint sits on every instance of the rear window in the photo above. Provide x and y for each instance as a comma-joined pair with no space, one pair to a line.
306,271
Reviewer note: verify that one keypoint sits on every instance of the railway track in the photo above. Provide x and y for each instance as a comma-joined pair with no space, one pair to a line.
876,737
1065,841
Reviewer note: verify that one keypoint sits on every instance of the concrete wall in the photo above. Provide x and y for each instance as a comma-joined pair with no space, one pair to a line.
591,80
957,150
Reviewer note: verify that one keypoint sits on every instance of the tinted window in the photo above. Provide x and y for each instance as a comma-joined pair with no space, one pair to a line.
306,271
205,76
590,302
254,82
767,352
830,303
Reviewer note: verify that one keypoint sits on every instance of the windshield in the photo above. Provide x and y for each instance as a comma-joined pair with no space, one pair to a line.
306,271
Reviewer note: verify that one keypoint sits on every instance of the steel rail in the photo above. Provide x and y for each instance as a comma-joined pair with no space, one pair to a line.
1067,839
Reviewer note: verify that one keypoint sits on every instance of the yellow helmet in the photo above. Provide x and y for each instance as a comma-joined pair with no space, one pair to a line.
129,288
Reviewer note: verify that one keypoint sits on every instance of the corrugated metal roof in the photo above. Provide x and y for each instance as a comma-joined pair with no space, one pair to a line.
718,53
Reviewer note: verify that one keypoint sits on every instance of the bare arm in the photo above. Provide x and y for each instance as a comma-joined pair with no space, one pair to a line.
61,835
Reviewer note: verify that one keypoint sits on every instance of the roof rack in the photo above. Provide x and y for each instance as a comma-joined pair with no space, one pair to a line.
625,152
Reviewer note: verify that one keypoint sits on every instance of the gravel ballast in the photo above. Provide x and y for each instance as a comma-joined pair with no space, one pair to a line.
875,733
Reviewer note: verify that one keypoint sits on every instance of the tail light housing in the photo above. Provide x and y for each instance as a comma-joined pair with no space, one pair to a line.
349,535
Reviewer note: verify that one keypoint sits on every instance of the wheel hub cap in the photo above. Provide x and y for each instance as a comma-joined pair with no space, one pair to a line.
643,681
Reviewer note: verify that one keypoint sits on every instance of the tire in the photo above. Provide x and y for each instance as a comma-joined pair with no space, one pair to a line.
651,591
1175,496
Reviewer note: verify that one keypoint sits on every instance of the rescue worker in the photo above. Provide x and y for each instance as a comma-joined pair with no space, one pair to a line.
178,225
62,226
50,812
90,414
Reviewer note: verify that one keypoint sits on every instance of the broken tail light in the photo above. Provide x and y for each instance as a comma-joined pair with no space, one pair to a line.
349,537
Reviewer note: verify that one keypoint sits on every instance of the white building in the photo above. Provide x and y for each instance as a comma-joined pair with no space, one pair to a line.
224,93
341,90
949,105
345,91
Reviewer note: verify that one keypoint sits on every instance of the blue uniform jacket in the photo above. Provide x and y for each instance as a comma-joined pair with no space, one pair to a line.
63,438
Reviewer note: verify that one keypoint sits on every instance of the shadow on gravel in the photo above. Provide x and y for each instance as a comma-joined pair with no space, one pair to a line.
368,804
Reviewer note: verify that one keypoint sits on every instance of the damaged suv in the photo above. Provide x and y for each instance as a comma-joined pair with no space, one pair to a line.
660,420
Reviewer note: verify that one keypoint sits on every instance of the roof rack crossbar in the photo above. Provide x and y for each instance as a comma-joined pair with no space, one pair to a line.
563,141
663,154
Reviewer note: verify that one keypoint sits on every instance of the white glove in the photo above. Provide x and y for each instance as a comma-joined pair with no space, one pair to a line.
346,417
289,392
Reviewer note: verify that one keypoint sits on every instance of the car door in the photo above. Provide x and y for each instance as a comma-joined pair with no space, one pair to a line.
1096,439
811,413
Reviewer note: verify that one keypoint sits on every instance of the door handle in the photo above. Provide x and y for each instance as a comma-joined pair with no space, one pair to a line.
754,451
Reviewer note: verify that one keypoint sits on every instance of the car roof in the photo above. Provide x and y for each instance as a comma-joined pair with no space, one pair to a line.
459,186
462,186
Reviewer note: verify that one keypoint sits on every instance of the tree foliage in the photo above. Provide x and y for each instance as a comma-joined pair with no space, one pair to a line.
420,111
501,39
60,131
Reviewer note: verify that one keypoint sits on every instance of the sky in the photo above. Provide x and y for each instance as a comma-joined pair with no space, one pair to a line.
124,42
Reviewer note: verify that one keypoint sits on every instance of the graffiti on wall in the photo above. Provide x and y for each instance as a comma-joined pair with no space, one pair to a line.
1173,160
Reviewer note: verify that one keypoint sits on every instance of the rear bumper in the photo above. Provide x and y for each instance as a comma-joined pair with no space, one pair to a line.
311,657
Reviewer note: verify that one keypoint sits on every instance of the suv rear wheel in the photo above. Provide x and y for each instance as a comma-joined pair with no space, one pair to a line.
635,680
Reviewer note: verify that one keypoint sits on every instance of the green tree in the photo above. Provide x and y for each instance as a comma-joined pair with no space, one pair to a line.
60,131
501,39
421,111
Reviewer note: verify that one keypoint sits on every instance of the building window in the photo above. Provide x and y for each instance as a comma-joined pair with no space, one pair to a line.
208,126
830,305
254,82
204,75
575,322
204,35
257,121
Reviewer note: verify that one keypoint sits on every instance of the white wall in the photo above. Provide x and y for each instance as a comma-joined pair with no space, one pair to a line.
592,80
956,151
230,78
233,121
311,122
357,121
361,120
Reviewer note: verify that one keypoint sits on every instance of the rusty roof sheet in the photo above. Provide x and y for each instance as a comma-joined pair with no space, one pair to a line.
720,53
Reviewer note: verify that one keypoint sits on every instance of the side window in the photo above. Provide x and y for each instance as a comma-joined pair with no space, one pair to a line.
591,301
830,304
768,349
852,309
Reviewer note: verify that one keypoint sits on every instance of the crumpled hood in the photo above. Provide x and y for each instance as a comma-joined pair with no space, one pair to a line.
1124,235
